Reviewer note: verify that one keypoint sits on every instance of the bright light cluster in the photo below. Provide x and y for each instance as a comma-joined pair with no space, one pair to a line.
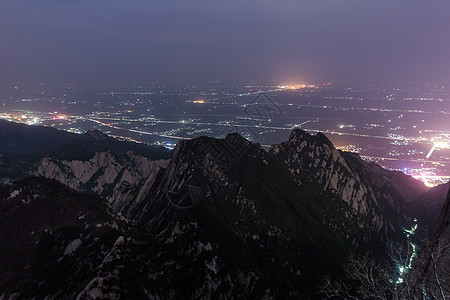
295,86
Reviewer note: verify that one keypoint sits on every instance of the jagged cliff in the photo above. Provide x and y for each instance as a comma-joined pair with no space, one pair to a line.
104,174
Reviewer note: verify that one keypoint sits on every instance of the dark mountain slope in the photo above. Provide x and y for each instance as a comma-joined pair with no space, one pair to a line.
427,207
95,141
53,238
57,243
18,138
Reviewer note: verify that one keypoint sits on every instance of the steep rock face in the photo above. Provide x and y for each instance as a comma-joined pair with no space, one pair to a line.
242,206
114,176
315,156
430,275
378,194
427,208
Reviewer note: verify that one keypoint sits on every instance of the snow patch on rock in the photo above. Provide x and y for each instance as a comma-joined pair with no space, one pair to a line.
72,247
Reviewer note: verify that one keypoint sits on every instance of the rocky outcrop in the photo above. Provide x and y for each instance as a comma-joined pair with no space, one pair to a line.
316,157
96,135
378,194
114,176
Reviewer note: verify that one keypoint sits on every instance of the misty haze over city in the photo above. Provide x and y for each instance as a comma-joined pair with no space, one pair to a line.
137,42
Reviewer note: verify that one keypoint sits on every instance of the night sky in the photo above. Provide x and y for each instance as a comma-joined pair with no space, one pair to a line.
139,41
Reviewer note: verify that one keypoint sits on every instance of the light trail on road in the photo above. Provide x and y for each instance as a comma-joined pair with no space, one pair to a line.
250,126
139,131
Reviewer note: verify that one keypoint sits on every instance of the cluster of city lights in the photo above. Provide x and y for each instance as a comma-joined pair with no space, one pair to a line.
295,86
438,145
19,117
350,148
427,175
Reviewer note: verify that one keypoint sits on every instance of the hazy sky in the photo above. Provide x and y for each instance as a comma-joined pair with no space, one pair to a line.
137,41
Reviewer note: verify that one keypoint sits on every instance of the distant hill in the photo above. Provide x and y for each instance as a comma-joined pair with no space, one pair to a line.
91,162
427,207
16,138
94,141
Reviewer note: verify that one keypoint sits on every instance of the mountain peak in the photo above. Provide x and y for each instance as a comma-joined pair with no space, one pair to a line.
96,135
234,135
299,135
217,151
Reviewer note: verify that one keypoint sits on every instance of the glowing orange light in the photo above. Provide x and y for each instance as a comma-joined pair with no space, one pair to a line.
292,87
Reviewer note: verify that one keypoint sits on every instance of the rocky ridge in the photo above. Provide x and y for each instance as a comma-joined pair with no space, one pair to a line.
234,187
222,219
104,174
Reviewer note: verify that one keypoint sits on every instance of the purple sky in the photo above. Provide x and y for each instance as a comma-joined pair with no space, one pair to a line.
137,41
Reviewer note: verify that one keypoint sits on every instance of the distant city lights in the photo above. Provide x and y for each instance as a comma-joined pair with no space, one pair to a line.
439,145
295,86
400,135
